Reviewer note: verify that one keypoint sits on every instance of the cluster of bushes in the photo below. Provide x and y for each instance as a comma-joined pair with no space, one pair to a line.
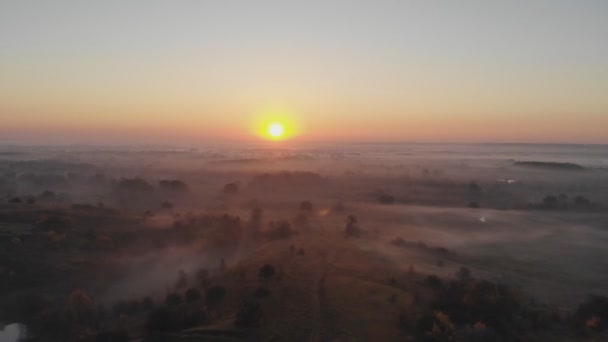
421,246
78,316
469,309
563,202
183,312
286,179
221,230
592,315
550,165
173,186
385,198
279,229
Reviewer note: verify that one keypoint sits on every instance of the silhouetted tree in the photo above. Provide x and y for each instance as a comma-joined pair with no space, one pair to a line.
231,189
351,226
306,206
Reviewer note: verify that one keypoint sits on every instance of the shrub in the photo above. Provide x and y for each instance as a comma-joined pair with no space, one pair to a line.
550,202
147,303
188,316
386,199
175,186
306,206
160,321
231,189
202,276
434,282
215,295
463,275
28,306
119,335
352,229
267,271
592,313
261,292
173,299
581,201
279,230
182,280
192,295
80,307
249,314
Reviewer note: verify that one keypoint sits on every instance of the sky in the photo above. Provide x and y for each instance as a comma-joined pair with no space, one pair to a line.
197,71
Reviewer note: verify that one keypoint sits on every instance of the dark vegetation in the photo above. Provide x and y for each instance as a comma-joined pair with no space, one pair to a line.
470,309
550,165
420,246
67,238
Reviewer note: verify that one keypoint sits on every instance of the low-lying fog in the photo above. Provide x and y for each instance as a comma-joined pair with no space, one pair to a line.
531,216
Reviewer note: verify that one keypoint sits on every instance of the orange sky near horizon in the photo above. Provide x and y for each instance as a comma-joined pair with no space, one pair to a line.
372,71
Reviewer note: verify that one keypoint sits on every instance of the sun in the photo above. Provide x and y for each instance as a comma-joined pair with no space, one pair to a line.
276,130
275,124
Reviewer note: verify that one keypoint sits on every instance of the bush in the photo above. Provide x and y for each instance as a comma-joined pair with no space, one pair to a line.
147,303
182,280
173,299
267,271
581,201
592,313
215,295
279,230
352,229
188,316
231,189
386,199
306,206
261,292
202,276
192,295
174,186
249,314
28,306
119,335
434,282
160,321
550,202
463,275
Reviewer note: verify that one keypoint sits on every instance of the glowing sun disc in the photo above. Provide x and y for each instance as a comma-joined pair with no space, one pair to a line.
276,130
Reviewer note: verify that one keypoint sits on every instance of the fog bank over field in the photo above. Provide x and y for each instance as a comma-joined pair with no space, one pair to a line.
186,234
